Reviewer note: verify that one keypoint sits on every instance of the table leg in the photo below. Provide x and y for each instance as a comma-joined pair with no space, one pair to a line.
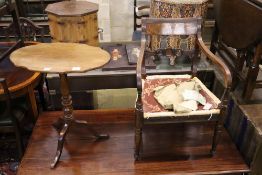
64,124
32,101
61,139
66,101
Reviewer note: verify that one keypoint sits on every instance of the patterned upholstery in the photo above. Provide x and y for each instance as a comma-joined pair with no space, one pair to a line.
175,9
152,108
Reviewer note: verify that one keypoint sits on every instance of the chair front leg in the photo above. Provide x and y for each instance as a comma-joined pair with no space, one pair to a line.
219,123
217,135
138,127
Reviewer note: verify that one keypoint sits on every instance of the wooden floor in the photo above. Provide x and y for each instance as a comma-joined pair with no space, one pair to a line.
168,149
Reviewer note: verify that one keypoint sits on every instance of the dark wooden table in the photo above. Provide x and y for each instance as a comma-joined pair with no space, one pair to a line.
169,151
19,80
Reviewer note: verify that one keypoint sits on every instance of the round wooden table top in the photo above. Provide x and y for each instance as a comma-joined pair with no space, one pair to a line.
72,8
60,57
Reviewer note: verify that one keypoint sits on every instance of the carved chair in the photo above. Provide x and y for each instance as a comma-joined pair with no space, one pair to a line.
12,115
237,39
148,110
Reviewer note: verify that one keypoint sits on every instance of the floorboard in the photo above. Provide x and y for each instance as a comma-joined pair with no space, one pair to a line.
168,149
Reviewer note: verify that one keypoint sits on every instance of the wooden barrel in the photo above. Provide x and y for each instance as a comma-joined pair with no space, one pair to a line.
73,21
175,9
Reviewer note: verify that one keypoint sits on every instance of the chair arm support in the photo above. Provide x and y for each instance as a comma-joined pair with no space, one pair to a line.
140,68
222,66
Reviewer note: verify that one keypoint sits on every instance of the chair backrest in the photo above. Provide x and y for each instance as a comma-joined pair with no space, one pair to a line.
10,7
179,33
140,11
29,30
171,26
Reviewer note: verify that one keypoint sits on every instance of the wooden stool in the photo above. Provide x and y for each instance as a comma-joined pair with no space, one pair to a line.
73,21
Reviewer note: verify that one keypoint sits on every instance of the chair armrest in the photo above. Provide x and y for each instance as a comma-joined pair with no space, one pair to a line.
140,68
222,66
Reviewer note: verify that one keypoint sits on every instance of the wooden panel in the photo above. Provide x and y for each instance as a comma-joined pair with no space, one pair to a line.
239,22
72,8
168,149
83,29
254,113
171,29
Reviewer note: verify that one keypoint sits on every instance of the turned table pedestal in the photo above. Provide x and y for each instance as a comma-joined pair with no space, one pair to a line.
62,58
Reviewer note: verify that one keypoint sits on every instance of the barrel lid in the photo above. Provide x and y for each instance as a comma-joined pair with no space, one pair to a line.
72,8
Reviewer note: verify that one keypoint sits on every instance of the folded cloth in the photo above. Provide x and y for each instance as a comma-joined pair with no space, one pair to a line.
194,95
186,106
181,98
167,96
188,85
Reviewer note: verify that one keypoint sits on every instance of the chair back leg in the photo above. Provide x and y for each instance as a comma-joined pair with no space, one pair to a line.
138,127
19,141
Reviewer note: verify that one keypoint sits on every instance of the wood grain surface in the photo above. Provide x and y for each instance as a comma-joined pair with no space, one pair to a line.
72,8
167,149
60,57
254,113
74,29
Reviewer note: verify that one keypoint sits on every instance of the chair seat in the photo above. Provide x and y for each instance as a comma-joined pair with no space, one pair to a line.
152,108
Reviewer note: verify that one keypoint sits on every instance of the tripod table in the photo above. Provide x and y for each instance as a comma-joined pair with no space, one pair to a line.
62,58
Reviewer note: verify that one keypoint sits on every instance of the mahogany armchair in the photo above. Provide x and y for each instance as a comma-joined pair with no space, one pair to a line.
148,110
